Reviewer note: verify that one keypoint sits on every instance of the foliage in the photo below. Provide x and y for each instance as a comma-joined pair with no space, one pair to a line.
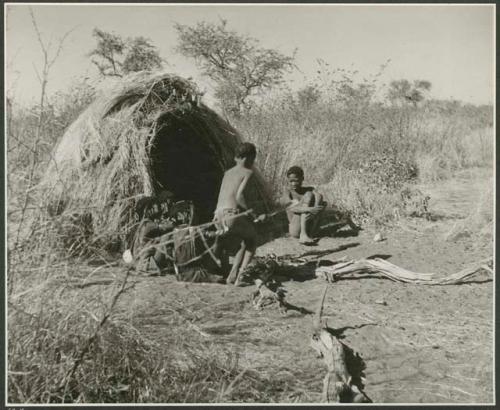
361,150
59,111
404,92
141,55
236,63
308,96
387,172
115,56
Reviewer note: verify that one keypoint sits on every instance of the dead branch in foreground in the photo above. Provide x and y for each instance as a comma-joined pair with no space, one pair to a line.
398,274
337,383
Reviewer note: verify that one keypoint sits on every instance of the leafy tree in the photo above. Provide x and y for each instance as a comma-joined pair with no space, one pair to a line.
108,53
141,55
405,92
115,56
236,63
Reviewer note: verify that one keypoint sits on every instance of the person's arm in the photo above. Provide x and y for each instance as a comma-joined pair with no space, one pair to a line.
315,208
301,209
319,201
285,199
165,226
147,235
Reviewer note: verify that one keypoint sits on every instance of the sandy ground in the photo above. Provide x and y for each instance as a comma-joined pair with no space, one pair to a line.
423,344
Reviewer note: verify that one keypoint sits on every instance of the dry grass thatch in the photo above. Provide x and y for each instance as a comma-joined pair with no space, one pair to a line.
147,133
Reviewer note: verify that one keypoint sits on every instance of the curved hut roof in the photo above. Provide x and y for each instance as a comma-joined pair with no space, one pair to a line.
147,133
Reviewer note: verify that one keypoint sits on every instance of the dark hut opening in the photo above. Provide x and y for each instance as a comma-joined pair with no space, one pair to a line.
185,162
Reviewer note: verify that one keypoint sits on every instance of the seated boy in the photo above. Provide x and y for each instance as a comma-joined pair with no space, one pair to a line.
304,207
230,204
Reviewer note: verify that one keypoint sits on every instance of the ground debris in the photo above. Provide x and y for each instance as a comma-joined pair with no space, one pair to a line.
398,274
269,293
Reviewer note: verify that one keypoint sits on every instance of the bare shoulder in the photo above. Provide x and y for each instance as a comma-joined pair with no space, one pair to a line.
230,173
242,172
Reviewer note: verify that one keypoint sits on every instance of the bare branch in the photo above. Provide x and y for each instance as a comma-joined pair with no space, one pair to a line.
43,79
60,46
37,73
49,43
38,34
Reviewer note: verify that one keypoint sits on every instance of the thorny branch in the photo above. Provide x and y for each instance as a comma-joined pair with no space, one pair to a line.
48,62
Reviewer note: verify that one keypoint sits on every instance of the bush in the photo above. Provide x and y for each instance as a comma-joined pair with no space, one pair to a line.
387,173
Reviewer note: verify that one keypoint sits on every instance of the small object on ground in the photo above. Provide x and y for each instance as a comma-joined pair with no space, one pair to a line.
378,237
264,296
127,257
337,383
261,268
381,302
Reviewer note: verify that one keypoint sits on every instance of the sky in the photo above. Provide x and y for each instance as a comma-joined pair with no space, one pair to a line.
452,46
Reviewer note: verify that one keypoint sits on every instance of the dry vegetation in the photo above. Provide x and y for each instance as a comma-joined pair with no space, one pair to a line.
69,342
363,152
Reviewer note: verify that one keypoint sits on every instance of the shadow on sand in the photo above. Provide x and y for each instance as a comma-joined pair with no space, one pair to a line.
335,231
323,252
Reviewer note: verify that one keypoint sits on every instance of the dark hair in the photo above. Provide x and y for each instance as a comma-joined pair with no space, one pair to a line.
246,150
143,206
295,170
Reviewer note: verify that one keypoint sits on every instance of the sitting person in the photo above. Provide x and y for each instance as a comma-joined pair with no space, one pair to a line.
147,256
164,243
230,204
304,207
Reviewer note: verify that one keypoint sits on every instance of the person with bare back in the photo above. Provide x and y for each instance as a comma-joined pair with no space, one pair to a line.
232,212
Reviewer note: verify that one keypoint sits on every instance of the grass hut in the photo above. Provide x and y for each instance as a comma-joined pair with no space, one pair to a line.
146,133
